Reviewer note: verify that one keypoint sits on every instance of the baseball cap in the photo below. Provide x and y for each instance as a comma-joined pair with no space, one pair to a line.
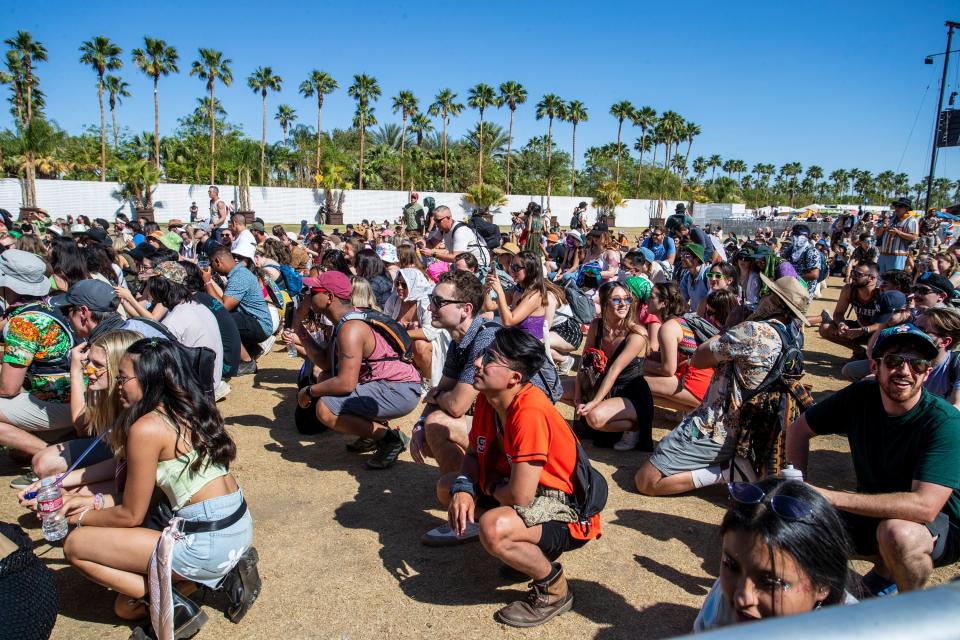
936,281
552,237
97,234
890,302
95,295
902,202
647,254
172,271
333,281
258,226
244,250
143,250
78,229
905,334
203,226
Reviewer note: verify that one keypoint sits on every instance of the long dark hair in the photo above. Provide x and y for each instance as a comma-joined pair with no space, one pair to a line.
100,260
534,281
672,304
170,385
818,543
335,260
67,261
368,264
167,292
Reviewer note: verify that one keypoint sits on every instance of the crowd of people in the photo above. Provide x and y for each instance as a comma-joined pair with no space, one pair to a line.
121,338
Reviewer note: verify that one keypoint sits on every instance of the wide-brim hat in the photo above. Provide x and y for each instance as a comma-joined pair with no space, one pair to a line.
792,293
511,248
23,273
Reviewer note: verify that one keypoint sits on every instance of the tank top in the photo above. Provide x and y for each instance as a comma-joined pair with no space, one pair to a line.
532,325
382,364
865,311
633,370
175,477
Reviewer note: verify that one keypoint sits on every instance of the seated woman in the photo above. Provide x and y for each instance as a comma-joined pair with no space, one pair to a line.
410,306
785,551
721,275
171,437
533,304
619,400
674,383
95,408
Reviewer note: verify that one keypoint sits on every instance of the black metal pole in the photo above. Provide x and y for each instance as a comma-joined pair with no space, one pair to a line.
936,118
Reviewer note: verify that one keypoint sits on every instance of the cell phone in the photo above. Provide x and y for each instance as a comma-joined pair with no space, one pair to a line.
203,262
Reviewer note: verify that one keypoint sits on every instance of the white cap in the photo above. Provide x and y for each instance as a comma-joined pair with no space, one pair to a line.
78,228
245,250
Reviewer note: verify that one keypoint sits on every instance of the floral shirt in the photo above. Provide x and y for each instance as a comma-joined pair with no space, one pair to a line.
746,353
34,336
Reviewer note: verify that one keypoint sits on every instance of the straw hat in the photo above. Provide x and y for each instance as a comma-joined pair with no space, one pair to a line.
792,293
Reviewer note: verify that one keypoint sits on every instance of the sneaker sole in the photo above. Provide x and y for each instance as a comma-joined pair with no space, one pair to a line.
566,606
447,541
191,627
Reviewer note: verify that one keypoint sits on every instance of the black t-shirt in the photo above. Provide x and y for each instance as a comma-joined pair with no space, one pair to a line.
229,334
557,252
889,453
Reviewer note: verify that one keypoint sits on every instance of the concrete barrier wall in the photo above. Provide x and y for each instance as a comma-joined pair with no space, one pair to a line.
291,205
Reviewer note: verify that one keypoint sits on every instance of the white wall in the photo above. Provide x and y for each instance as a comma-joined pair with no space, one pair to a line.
289,205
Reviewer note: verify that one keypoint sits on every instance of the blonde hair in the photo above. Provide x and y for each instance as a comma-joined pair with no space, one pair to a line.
120,244
362,294
103,406
944,321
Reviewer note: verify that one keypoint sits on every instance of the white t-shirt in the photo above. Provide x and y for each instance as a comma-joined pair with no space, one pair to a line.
462,238
195,326
245,237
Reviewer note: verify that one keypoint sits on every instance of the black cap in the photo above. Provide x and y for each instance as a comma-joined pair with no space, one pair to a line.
143,250
95,295
936,281
800,230
902,202
681,208
890,302
97,234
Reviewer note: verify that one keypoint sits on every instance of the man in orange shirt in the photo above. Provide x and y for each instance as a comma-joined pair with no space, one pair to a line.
520,466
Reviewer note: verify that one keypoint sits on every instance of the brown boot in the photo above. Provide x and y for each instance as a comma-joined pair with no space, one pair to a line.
545,600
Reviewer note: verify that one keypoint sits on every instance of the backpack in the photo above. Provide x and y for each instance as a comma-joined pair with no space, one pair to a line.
589,487
395,335
201,360
789,363
580,303
487,232
702,330
292,281
305,419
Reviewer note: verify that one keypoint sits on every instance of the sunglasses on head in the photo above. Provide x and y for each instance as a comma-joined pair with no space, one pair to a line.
787,507
895,360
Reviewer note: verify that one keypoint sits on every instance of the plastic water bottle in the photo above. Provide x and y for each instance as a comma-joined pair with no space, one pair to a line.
790,472
49,502
292,350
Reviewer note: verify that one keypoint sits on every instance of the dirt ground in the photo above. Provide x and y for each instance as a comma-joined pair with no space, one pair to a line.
339,545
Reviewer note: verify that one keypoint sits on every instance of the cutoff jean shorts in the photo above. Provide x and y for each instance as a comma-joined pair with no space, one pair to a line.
208,557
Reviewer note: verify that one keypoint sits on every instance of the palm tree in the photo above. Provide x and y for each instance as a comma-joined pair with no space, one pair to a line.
480,97
209,66
576,113
645,117
320,83
691,131
550,106
364,89
714,163
103,55
446,106
790,171
511,94
672,127
117,89
621,111
699,168
840,180
156,59
406,103
28,51
420,126
261,81
286,115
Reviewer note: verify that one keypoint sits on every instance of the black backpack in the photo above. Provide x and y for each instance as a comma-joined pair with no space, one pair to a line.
395,335
789,364
487,232
589,487
201,360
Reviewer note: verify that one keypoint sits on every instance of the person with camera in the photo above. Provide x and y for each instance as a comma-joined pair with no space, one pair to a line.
519,468
456,238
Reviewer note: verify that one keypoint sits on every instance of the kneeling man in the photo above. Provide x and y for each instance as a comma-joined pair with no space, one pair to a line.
520,464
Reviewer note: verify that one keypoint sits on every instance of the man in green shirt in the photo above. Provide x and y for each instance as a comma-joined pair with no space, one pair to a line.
905,444
413,214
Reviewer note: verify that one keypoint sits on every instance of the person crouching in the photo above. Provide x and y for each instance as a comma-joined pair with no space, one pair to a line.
520,466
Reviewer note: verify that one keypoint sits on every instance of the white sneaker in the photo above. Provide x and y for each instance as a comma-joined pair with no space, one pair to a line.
425,387
222,391
565,365
628,441
267,344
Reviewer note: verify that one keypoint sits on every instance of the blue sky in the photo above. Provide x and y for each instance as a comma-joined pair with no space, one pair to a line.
838,84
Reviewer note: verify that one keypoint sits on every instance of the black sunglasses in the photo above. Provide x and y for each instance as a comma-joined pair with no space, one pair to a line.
440,303
787,507
917,365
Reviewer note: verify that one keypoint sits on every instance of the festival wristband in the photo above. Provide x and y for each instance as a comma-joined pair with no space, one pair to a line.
463,484
98,502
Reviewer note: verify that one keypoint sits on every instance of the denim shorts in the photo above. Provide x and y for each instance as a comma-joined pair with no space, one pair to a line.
71,450
208,557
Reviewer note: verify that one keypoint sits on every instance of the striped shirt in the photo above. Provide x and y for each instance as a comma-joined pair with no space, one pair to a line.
894,245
